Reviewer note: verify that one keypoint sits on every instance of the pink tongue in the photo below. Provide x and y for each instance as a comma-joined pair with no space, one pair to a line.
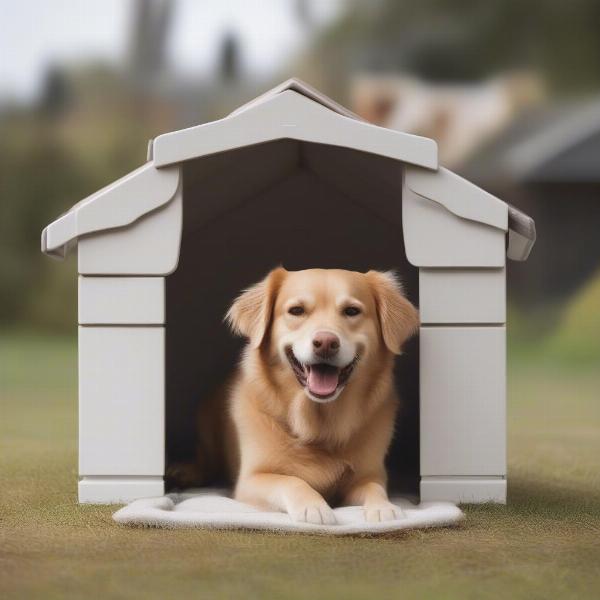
322,380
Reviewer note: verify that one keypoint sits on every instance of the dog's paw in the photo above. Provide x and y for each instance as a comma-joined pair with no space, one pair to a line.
318,514
376,513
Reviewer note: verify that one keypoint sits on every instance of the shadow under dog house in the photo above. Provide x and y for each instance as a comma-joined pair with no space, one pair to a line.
292,160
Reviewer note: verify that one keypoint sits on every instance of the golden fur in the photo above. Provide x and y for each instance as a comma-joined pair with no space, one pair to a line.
285,450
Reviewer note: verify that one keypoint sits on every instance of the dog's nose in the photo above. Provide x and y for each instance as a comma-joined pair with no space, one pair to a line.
326,344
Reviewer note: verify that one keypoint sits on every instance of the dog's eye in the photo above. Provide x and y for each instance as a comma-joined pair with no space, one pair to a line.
296,311
351,311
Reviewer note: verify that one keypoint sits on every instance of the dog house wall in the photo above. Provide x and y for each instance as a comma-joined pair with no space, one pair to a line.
136,456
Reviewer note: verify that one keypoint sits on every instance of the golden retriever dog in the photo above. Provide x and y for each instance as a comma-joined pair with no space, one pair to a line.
313,403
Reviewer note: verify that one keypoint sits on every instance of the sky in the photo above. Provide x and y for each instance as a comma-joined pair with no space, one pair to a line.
37,33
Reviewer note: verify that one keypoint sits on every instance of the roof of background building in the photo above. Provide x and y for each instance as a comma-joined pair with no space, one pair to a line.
554,144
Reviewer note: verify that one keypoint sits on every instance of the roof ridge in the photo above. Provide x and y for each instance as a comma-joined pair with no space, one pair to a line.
299,86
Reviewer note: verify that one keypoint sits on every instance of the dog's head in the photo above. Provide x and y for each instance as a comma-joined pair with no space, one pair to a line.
325,324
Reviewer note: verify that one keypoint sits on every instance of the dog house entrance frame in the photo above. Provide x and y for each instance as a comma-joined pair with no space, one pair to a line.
129,236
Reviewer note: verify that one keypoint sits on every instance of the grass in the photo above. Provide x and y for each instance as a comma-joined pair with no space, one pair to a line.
545,543
577,338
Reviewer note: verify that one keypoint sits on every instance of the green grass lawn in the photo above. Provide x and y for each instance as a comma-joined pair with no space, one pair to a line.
544,544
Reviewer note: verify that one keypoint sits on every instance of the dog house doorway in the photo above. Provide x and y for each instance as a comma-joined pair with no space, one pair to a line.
296,204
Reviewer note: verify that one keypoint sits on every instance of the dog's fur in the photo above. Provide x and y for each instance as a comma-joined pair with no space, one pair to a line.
288,447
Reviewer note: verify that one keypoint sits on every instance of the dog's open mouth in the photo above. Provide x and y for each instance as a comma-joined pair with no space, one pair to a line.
322,380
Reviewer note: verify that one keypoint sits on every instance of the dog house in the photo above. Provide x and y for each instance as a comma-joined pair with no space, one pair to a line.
295,179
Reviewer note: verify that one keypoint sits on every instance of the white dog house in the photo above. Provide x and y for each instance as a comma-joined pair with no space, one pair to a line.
295,178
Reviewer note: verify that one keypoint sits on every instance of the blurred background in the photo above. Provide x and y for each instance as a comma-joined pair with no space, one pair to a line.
509,89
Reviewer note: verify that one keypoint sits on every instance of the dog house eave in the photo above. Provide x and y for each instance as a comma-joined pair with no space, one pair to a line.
455,234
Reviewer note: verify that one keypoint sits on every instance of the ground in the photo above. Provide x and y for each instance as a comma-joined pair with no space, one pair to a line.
544,544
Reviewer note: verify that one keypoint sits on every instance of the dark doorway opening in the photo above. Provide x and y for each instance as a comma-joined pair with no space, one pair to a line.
249,210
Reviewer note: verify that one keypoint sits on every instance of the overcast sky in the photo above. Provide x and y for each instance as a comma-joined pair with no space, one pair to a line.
37,33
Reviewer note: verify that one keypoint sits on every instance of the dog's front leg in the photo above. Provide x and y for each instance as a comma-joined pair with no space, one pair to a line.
285,493
372,496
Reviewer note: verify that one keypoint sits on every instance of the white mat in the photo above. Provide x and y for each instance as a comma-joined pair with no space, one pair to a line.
213,511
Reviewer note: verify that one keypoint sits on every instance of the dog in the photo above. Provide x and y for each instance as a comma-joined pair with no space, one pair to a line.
312,406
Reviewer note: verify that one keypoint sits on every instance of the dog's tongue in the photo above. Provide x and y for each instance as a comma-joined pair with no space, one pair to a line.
322,379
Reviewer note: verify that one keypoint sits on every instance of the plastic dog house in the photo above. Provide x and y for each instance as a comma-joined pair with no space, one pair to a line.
295,178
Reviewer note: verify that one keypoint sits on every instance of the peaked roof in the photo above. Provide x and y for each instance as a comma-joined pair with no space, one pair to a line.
292,110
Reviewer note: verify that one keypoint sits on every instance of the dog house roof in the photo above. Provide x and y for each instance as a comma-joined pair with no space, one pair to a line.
292,110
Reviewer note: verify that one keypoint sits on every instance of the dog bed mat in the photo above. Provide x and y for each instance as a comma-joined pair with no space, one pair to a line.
217,511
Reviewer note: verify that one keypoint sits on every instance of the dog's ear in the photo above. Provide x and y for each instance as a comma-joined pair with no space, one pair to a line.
251,313
398,318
